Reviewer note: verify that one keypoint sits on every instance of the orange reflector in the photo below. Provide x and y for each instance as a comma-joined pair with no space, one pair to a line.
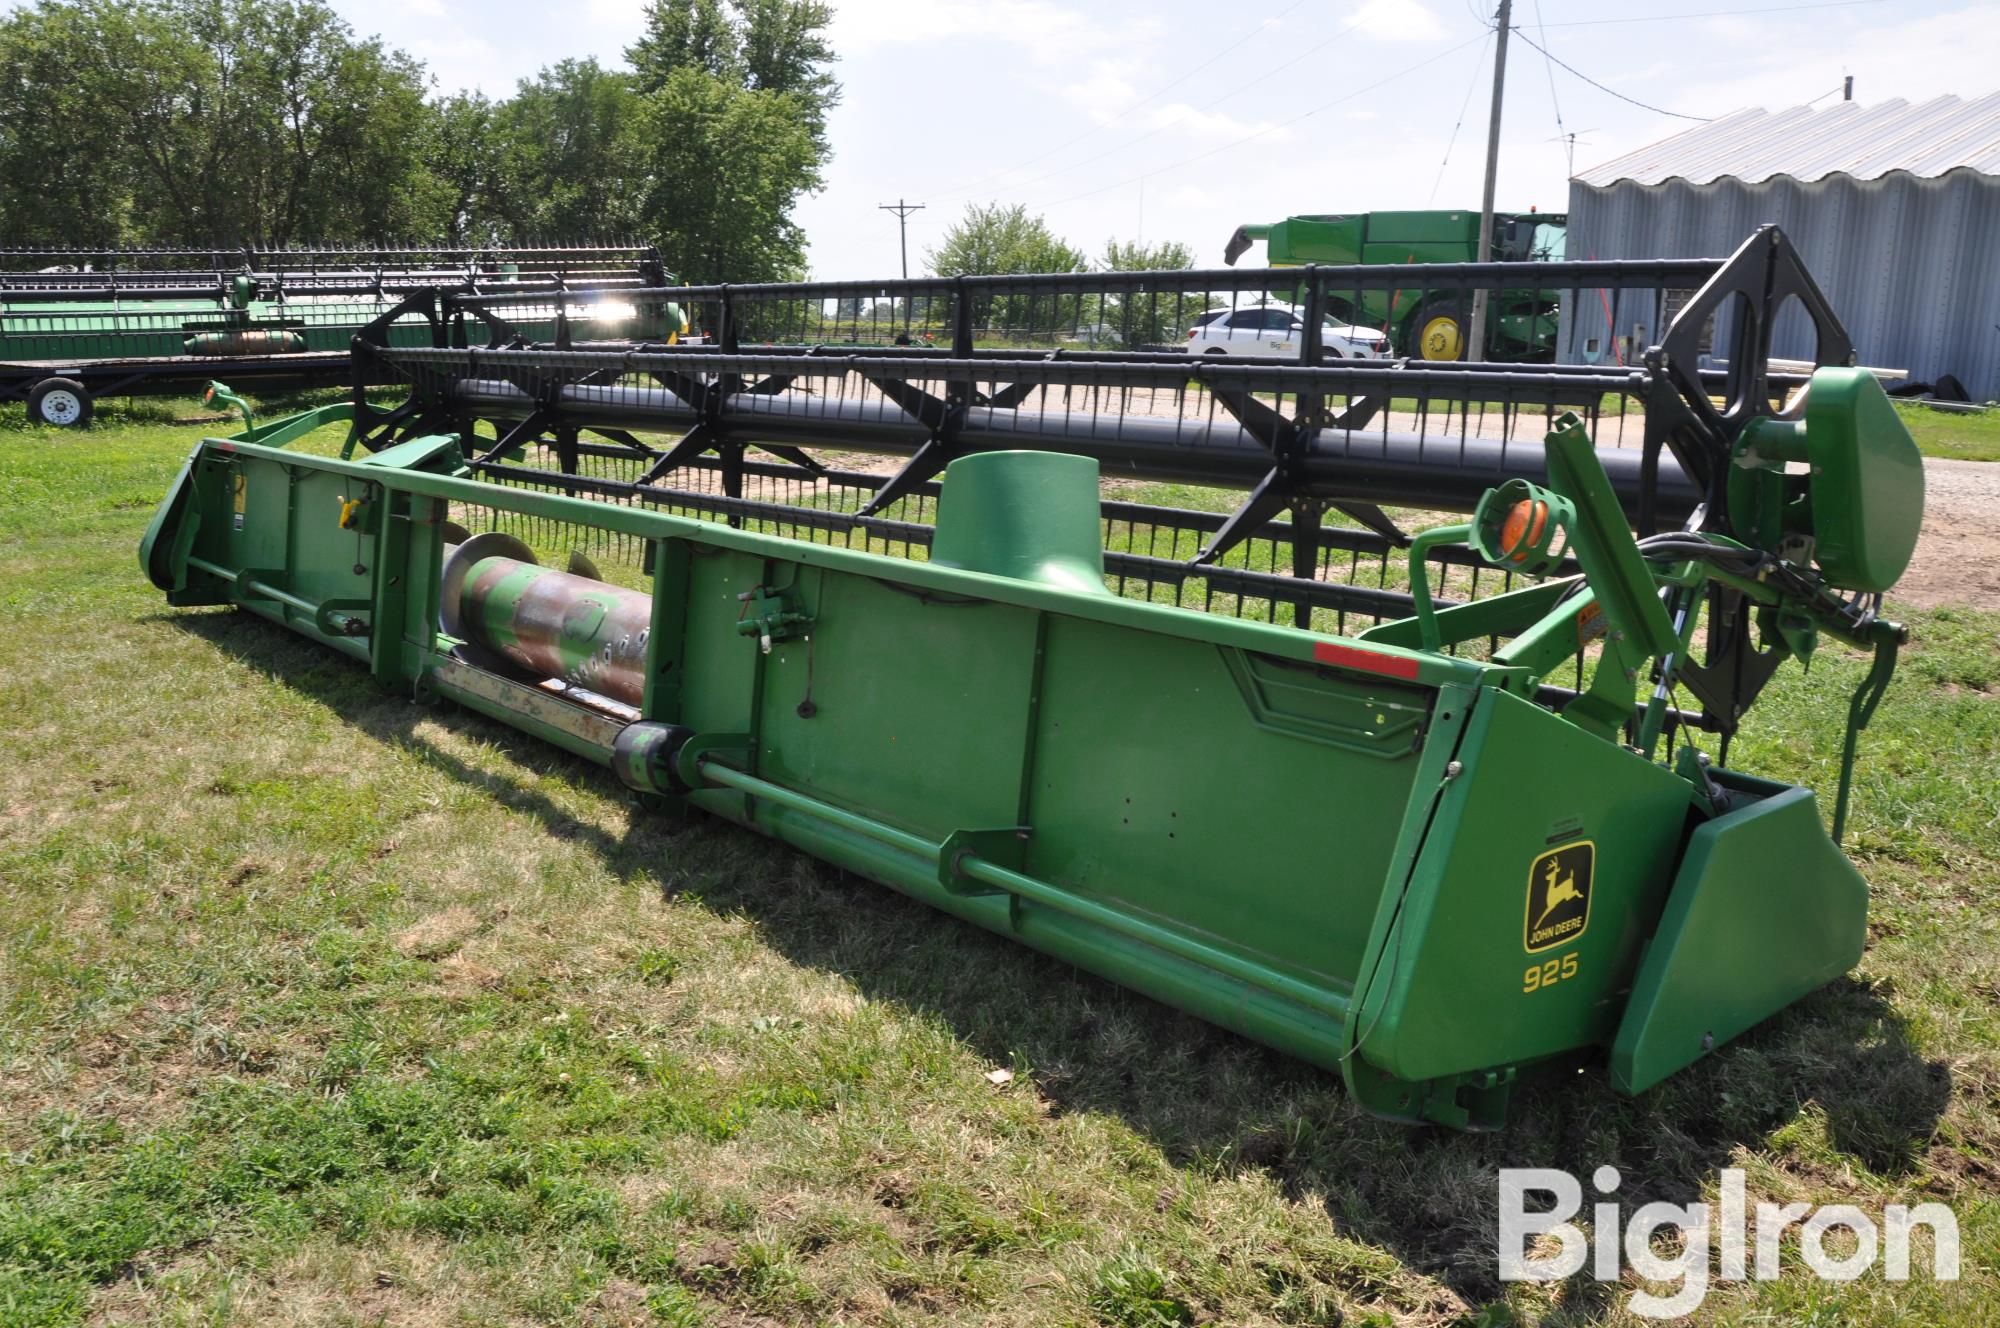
1521,532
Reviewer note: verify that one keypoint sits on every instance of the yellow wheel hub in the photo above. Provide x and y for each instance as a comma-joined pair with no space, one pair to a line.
1439,339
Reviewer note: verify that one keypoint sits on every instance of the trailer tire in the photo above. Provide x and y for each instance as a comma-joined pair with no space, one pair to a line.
1438,331
60,403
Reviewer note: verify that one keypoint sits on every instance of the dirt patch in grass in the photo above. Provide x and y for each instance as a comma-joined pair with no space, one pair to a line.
1958,554
439,934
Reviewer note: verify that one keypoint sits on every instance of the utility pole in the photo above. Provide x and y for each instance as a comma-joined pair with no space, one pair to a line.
902,211
1477,345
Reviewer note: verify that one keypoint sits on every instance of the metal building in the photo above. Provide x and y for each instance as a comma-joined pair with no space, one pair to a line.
1896,208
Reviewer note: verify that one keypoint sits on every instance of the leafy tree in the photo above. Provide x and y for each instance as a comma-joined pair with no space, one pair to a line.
462,168
730,131
566,155
53,188
784,49
1148,316
1002,239
998,240
224,122
211,121
1134,256
686,34
720,169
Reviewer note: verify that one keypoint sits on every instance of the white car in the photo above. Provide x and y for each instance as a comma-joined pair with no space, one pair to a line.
1278,329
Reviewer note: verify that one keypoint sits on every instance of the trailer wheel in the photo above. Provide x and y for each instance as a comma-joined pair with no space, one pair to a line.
1438,331
62,403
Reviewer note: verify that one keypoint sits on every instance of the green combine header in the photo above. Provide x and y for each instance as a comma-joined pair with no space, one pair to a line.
1387,837
77,325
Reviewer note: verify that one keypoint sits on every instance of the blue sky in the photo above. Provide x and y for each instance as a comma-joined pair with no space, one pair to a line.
1178,119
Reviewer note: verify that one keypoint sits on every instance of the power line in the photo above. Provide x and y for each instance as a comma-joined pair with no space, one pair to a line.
1657,110
1471,85
1549,68
1712,13
1105,124
1269,129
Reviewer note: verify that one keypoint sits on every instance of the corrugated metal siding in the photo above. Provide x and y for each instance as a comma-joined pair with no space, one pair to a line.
1911,265
1929,139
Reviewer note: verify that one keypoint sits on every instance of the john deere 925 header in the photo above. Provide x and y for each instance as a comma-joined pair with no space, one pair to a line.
1426,807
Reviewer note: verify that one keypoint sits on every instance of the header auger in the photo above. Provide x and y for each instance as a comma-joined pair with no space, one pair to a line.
1427,809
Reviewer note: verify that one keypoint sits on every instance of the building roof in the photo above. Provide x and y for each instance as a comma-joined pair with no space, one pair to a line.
1867,142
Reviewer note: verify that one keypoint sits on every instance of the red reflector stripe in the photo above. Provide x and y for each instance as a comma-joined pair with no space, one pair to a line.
1347,657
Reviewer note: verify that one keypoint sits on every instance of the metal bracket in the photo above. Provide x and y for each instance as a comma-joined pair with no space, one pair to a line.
942,417
1280,489
770,615
687,761
1006,847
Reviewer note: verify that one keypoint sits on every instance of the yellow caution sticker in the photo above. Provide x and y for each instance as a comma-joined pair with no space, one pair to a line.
1558,908
239,496
1590,623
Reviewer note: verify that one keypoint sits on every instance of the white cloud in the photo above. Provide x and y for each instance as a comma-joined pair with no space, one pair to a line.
1399,21
1912,57
1052,32
1196,123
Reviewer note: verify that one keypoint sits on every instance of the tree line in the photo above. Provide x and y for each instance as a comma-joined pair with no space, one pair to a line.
225,123
232,122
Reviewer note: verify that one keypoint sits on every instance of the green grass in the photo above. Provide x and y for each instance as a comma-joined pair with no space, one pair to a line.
317,1006
1961,436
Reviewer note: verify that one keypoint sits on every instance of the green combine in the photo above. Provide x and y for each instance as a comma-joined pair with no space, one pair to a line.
1424,323
1407,850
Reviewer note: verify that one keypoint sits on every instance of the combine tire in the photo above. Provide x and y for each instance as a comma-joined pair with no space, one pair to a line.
61,403
1438,332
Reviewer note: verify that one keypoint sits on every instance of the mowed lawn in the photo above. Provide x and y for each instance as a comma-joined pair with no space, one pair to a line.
321,1007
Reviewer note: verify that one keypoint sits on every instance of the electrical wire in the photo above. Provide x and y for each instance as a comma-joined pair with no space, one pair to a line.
1548,67
1104,124
1471,84
1657,110
1270,129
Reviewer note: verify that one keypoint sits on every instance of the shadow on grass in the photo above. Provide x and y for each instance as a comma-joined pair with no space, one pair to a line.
1209,1100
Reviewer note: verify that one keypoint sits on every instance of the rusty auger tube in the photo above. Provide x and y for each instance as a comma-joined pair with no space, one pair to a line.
552,624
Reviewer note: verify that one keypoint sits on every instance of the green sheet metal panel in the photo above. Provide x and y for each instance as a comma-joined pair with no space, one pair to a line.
1765,908
291,529
917,713
1461,978
1867,480
1141,796
717,677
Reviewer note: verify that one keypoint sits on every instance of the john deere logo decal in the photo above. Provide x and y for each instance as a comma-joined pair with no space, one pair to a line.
1559,895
